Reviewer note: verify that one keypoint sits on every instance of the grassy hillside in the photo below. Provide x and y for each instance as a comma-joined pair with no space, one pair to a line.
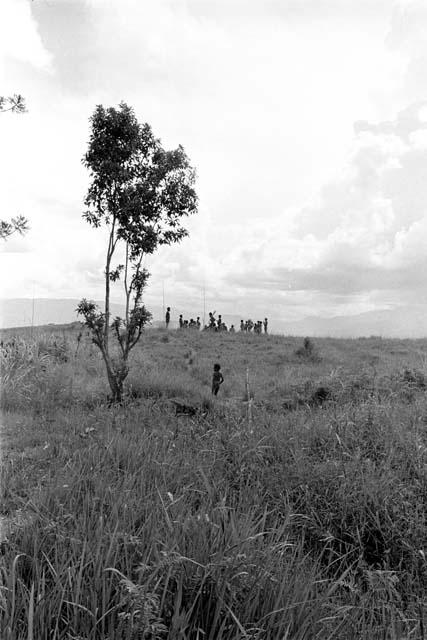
134,522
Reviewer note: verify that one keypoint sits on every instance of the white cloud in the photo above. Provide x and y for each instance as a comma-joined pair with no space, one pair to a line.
19,38
368,230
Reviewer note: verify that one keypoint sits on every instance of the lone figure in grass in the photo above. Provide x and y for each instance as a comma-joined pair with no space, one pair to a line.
217,379
168,317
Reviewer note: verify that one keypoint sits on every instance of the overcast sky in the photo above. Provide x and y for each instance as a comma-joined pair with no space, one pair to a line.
306,121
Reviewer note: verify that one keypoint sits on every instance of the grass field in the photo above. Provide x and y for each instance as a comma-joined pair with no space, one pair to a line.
126,522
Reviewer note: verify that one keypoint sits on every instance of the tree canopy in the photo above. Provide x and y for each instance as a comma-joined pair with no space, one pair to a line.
137,185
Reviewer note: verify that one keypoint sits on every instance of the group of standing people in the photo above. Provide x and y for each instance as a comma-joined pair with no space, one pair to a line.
217,324
257,326
183,324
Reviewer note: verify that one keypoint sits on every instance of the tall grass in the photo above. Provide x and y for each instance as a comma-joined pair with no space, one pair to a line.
136,523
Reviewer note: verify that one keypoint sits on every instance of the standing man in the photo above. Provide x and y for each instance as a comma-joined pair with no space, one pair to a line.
265,325
168,317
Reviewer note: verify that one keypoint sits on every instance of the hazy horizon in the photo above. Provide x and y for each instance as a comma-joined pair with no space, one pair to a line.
26,312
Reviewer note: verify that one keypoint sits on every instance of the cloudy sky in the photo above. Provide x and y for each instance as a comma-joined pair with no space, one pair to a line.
306,121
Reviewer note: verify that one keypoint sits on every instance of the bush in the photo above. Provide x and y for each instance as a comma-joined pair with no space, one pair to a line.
308,351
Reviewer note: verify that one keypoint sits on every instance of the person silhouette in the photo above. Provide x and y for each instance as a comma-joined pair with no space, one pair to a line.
217,379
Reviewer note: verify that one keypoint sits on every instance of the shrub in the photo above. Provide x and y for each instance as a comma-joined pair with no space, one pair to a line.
308,351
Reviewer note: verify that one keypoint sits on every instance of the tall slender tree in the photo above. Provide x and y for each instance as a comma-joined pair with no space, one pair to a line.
140,192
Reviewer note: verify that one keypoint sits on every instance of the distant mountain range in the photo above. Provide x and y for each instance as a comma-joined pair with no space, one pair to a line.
22,312
401,322
18,312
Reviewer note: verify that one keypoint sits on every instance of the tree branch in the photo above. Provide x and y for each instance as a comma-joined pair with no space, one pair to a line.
127,290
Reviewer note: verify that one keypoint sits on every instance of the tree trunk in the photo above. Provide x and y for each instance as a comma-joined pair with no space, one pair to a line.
111,246
116,390
107,301
120,377
127,288
116,378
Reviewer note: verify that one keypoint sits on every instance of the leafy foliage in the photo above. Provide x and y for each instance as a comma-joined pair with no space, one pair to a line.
15,103
136,184
15,225
94,319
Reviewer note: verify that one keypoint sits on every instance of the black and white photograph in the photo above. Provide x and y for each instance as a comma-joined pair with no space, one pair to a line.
213,320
